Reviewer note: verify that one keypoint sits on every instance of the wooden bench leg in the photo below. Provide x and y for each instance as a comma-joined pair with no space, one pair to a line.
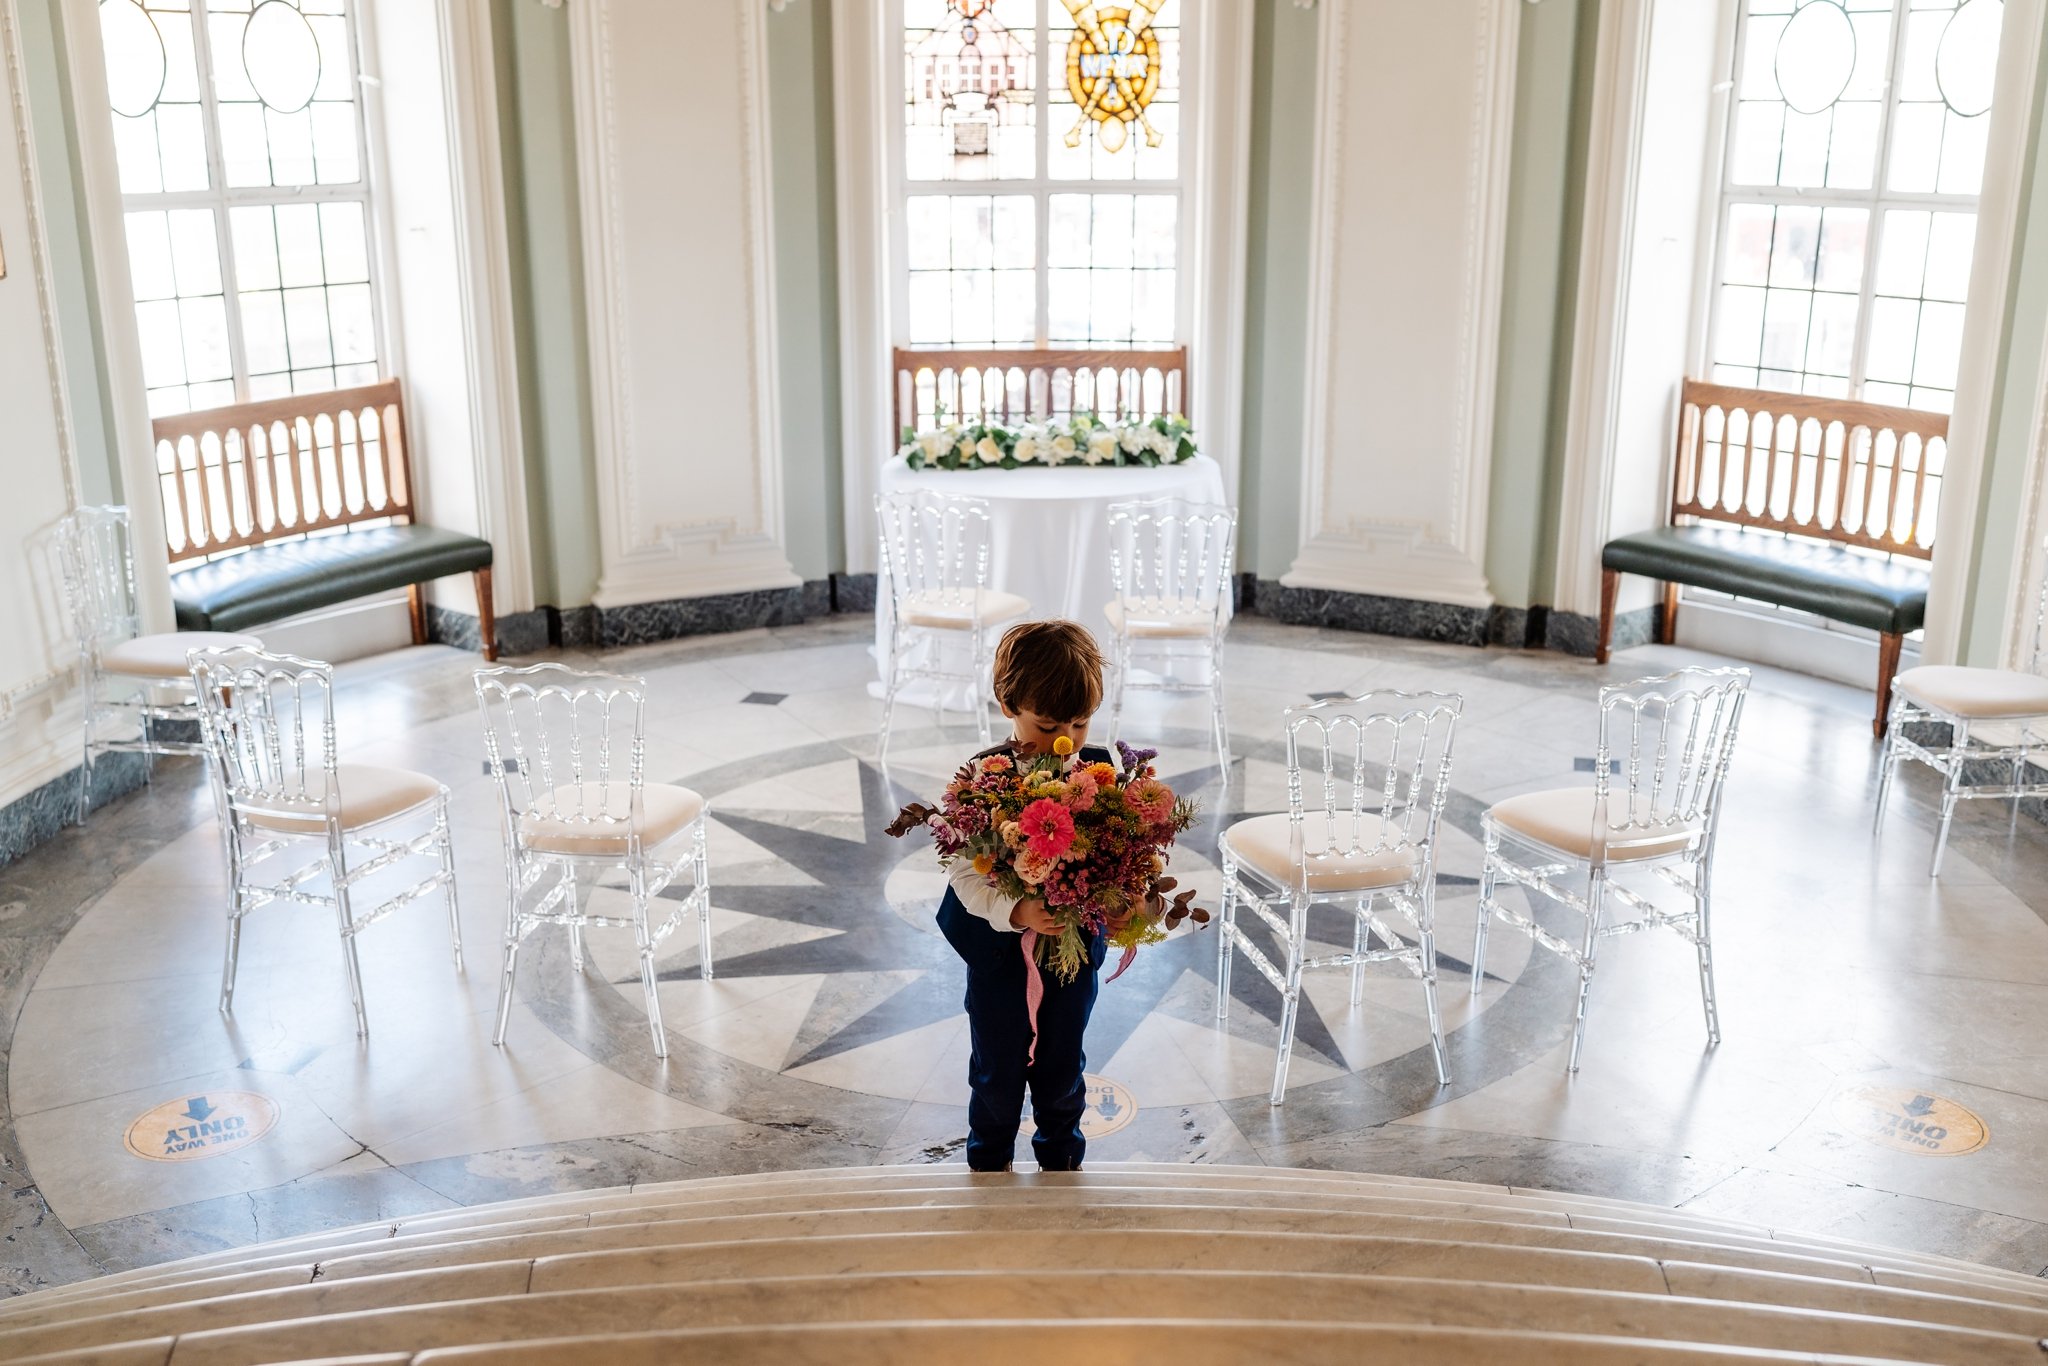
1610,587
1667,627
1888,646
416,598
486,615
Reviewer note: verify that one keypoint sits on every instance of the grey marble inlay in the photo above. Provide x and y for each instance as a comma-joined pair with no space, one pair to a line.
519,633
34,817
642,623
1576,634
854,592
1368,612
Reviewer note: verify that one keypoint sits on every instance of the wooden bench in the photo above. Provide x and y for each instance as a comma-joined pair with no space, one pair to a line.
1818,504
313,493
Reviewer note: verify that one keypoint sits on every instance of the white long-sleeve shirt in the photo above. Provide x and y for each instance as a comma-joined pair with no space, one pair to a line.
982,900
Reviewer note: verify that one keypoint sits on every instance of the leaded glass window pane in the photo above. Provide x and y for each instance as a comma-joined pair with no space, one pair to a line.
260,122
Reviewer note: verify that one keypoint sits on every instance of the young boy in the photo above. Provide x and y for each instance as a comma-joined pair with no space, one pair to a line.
1048,681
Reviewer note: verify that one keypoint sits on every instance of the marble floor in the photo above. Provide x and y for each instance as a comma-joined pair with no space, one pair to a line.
832,1033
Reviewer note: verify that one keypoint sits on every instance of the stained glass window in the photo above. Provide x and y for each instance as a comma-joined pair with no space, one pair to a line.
1849,205
1009,234
240,143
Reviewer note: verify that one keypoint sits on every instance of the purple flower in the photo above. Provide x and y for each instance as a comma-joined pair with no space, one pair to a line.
1133,757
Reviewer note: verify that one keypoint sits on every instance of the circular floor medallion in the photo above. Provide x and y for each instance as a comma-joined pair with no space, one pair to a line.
1110,1107
194,1127
1910,1121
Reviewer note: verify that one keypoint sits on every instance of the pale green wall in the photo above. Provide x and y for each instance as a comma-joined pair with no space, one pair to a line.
2001,508
1546,192
1276,287
536,113
800,134
47,89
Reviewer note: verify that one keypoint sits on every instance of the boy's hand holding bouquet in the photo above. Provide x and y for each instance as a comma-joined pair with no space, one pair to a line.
1088,841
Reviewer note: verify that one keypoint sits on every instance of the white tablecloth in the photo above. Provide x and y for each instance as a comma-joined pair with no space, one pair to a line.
1049,528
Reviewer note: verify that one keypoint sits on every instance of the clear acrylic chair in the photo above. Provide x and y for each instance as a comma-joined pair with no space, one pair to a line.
1657,814
569,752
935,563
1997,722
1171,562
268,721
129,683
1365,838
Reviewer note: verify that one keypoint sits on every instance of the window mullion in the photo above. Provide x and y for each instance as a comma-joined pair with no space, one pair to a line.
1873,239
1041,192
217,198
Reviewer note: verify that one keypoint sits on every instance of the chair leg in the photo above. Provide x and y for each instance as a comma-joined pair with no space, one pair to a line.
890,689
1226,939
1485,916
445,842
1667,624
486,615
513,874
646,946
576,959
1610,588
703,897
85,761
1120,661
1218,718
1888,647
1290,1007
416,603
1596,890
345,917
982,667
1888,764
1959,745
1426,931
1703,927
1359,939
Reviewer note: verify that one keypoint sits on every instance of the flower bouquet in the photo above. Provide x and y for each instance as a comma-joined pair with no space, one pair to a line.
1085,439
1088,840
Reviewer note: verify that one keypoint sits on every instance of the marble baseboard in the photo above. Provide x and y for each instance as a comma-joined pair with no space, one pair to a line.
854,592
1576,634
519,633
575,628
38,815
1409,617
644,623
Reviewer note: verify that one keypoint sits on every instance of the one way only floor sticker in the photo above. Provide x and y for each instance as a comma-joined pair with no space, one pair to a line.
193,1127
1910,1121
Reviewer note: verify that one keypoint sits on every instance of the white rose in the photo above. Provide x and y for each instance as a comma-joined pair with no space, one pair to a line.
1133,439
1101,447
1063,449
966,447
934,444
1026,449
1162,445
990,450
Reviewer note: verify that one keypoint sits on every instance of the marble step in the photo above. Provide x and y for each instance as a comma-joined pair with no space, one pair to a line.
978,1296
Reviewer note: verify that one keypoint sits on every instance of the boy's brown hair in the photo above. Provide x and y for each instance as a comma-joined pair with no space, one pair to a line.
1053,668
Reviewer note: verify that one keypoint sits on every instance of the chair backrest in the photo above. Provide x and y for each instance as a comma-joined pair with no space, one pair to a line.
566,745
1370,774
1170,550
97,559
1664,748
268,722
934,547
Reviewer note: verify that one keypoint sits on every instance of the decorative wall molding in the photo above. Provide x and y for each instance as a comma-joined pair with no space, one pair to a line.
681,343
1218,195
1404,330
860,127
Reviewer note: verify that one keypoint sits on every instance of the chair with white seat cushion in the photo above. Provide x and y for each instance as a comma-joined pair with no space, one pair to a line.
935,566
135,682
268,722
1171,560
1994,717
1364,835
569,749
1669,739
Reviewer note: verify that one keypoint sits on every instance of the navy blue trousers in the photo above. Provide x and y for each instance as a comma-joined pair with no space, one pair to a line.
1000,1027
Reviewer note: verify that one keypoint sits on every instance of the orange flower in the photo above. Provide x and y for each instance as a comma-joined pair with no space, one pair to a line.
1103,774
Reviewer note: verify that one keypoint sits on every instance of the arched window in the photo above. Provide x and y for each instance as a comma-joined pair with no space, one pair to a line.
1849,195
1040,199
239,137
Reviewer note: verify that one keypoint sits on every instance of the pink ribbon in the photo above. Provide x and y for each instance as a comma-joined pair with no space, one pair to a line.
1034,990
1130,957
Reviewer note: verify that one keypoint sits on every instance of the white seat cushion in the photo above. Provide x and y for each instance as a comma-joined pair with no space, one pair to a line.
369,793
554,826
1962,691
955,611
1161,618
1264,844
1562,819
163,656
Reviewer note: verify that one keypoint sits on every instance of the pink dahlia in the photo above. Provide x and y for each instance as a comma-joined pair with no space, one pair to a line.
1081,790
1151,802
1048,828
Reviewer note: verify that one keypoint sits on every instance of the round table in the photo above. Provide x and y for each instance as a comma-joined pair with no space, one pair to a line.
1049,528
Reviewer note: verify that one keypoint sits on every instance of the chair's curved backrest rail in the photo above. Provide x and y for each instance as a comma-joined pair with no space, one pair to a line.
1861,474
256,472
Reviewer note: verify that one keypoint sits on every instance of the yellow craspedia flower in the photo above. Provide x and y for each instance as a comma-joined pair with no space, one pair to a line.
1062,746
984,864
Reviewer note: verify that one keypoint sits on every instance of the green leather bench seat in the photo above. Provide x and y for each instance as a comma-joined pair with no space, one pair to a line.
1827,580
271,582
